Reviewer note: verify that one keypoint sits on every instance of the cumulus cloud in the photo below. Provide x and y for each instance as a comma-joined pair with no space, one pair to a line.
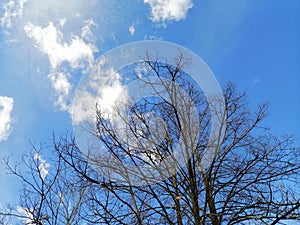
78,53
49,41
164,10
12,9
43,165
6,107
112,93
107,97
83,108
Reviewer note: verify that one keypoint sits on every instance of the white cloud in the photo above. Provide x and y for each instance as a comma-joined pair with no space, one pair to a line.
78,53
12,9
86,32
112,92
62,22
49,41
132,29
6,107
83,108
164,10
43,166
62,87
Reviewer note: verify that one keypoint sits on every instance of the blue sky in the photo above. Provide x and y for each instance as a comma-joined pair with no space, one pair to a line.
46,47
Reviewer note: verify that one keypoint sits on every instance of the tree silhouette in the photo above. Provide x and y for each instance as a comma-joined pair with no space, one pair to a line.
245,175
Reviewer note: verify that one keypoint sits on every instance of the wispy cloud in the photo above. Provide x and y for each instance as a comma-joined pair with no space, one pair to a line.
6,107
132,29
43,165
86,32
12,9
62,87
164,10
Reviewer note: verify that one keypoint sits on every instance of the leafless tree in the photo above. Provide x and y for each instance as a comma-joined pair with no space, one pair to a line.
51,194
246,175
